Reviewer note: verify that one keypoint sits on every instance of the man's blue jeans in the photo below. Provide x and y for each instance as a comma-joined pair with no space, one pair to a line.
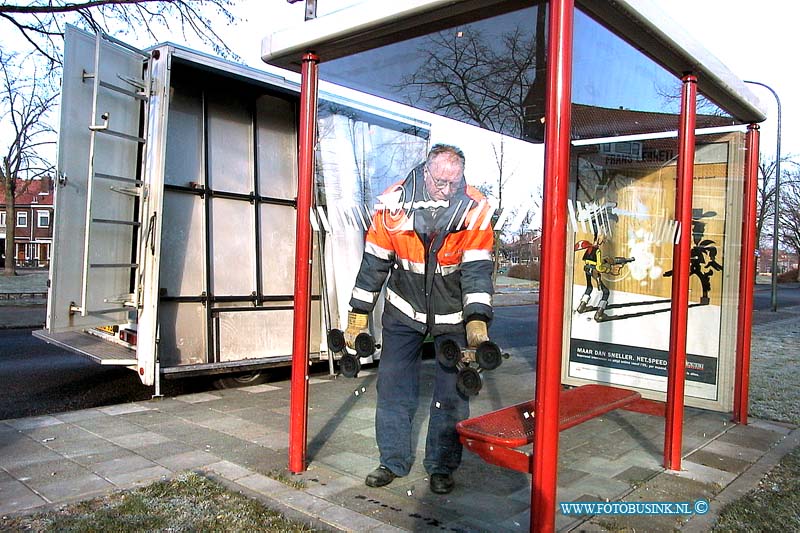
398,397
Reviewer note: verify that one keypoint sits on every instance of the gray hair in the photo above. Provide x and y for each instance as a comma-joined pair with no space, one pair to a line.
449,149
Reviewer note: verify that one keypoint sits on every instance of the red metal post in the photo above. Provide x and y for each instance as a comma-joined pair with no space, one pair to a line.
298,412
554,238
744,329
676,368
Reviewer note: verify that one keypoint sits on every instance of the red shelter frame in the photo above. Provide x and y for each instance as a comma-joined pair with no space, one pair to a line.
555,215
298,414
741,386
554,239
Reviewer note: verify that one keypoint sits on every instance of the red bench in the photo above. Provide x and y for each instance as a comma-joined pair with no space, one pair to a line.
496,435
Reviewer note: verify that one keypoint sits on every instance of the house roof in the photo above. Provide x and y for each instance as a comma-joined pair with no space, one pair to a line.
39,192
591,122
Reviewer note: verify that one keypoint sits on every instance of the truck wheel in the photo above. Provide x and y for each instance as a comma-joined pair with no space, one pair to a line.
243,379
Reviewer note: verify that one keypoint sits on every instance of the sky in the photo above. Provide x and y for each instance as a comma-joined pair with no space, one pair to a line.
756,40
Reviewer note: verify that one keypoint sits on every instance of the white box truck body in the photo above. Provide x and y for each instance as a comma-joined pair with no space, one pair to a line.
175,210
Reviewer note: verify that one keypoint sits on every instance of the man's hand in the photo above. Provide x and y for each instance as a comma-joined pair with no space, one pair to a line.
356,323
477,333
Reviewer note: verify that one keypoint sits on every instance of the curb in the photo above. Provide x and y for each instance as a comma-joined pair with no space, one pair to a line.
743,484
306,516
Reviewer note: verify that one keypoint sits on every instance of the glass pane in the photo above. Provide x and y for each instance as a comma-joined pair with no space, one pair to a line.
616,90
184,158
262,334
493,116
230,143
182,327
625,116
359,155
233,246
489,73
183,245
277,249
277,147
625,155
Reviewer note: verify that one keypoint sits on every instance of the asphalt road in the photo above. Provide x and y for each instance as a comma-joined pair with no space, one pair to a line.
38,378
788,296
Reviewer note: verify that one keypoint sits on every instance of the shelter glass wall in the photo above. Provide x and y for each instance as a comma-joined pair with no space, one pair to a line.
481,85
478,85
625,117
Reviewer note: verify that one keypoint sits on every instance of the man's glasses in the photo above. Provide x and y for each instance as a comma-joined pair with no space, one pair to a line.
440,184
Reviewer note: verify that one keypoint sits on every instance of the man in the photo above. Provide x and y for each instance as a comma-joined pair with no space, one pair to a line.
433,235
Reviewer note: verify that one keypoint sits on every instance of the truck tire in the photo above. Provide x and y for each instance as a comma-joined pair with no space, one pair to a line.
243,379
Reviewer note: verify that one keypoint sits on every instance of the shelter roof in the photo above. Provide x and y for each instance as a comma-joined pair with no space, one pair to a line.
371,24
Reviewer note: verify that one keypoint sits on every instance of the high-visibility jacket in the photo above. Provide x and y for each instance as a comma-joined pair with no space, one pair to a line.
437,254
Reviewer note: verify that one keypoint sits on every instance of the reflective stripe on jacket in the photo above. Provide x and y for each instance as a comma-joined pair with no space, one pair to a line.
439,254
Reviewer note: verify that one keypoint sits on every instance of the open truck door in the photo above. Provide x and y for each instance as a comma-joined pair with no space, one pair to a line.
99,228
176,210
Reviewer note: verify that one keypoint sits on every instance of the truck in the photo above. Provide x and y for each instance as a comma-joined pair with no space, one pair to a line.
174,230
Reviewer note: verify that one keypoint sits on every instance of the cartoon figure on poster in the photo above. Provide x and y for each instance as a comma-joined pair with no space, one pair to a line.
703,258
595,266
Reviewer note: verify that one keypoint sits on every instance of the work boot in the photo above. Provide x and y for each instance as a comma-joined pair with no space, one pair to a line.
442,483
380,477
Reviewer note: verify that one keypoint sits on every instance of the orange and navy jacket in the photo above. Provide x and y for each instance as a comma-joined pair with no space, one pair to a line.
439,254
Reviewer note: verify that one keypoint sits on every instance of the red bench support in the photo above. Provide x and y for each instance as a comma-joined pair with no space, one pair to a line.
496,435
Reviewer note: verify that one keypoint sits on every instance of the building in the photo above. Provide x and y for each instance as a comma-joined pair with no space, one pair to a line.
786,261
33,227
523,250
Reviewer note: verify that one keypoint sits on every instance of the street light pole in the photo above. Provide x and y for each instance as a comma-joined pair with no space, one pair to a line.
777,195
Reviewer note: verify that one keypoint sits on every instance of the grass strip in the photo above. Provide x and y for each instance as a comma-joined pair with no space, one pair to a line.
190,502
774,505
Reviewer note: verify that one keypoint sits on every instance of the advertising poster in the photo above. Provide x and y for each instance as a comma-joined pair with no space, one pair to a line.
624,232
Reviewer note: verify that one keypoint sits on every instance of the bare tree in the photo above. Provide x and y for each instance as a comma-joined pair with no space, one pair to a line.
41,22
26,102
790,214
490,83
494,83
765,201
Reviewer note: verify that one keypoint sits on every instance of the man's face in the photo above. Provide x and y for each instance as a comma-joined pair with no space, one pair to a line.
444,175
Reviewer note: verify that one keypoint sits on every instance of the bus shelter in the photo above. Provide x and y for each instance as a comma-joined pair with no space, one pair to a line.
646,148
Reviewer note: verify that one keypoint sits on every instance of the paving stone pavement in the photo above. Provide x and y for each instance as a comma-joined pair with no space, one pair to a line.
241,437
